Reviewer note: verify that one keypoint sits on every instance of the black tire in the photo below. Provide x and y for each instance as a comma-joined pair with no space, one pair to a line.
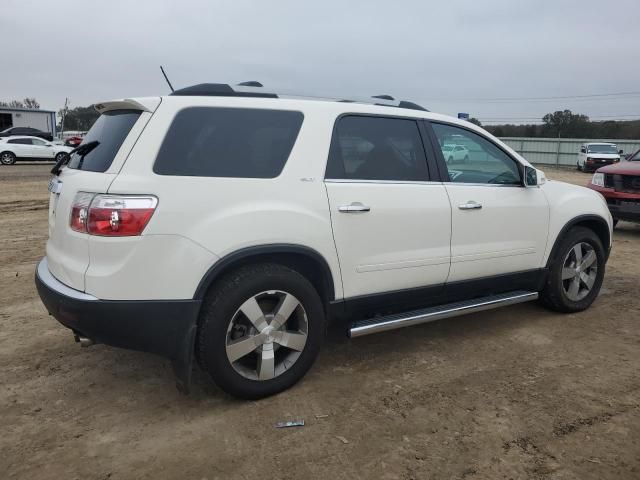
578,167
7,158
553,296
60,156
465,159
221,304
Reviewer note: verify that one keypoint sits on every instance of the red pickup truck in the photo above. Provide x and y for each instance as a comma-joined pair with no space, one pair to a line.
620,186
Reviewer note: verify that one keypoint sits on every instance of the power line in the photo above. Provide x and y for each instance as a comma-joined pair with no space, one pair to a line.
592,96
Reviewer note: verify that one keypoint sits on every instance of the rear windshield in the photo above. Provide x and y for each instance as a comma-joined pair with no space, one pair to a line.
228,142
110,130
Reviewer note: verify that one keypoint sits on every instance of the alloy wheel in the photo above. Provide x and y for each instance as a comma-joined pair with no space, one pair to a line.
266,335
579,271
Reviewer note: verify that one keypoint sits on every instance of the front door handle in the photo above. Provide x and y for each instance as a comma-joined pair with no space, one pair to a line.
354,207
470,205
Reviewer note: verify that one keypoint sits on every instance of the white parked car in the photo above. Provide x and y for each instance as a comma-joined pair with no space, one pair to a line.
30,148
455,153
230,225
592,156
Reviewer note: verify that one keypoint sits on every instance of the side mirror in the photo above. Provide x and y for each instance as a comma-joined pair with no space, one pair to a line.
533,177
621,152
582,150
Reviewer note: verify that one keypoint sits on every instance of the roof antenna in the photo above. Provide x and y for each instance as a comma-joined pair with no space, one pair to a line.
166,78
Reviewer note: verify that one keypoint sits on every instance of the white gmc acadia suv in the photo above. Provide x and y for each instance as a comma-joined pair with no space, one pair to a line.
230,225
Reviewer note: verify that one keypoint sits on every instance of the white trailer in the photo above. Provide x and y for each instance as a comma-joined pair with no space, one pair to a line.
44,120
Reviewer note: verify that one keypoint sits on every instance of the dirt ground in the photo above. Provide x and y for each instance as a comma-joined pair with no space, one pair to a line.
508,394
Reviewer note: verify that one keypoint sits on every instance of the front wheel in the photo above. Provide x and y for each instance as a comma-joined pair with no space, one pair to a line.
7,158
576,272
260,331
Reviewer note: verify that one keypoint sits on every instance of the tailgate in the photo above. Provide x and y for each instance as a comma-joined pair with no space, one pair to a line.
115,133
68,251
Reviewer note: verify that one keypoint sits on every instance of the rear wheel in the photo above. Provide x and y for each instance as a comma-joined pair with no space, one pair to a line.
60,156
576,272
579,167
7,158
260,330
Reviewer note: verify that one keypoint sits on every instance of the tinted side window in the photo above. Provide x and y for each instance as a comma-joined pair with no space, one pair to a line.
228,142
484,162
109,130
377,148
21,141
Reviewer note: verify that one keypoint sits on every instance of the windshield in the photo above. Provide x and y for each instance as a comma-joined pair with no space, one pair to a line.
107,133
602,149
447,147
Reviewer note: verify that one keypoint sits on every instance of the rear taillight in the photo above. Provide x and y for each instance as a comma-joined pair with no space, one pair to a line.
112,215
80,211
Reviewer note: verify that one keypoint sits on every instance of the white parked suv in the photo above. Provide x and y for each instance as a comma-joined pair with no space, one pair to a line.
230,225
455,153
30,148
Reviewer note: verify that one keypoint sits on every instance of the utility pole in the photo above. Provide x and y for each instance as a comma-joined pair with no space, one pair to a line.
558,147
64,114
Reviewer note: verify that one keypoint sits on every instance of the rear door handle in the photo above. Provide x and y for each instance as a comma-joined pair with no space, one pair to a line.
470,205
354,207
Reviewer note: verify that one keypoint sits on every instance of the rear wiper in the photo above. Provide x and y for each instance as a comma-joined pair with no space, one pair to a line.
81,150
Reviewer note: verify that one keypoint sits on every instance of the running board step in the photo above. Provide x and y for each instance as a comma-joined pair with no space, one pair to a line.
424,315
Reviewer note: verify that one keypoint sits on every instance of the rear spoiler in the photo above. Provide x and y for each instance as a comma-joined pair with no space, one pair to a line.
145,104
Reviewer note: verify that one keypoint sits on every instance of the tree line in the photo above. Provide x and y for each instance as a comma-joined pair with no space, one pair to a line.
566,124
26,103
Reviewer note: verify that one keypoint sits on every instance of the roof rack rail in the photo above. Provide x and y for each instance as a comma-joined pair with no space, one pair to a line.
218,90
253,88
411,105
383,97
250,83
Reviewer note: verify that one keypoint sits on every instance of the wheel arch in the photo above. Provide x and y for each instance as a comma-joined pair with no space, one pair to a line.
303,259
593,222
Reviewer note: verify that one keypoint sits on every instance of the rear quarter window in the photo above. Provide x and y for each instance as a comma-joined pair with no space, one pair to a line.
110,130
228,142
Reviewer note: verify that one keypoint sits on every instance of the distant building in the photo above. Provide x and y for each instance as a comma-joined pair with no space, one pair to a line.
44,120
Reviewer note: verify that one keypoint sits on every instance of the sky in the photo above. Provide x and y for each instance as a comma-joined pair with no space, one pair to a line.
499,60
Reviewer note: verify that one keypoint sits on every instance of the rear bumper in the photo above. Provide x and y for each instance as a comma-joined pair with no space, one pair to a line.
163,327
